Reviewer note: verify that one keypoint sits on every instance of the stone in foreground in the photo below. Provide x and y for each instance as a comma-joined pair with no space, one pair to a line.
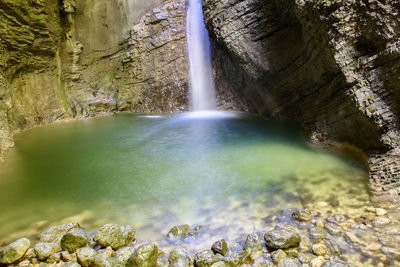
114,235
283,237
55,233
205,258
74,239
43,250
253,245
14,251
220,247
86,256
303,215
144,256
180,257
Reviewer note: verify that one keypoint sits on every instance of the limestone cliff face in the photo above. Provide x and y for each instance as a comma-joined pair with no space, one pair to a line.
331,66
72,59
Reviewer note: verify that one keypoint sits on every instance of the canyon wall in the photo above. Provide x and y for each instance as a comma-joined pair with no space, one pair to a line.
331,66
73,59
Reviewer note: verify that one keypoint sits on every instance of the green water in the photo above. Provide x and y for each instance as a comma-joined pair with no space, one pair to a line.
159,171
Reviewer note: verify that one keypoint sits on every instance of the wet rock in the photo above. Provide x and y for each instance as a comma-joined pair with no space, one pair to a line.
86,256
305,258
303,215
219,264
286,262
380,212
114,235
25,263
319,222
317,233
305,243
336,218
54,258
292,252
14,251
55,233
103,260
283,237
43,250
180,257
253,245
333,229
337,263
380,221
74,239
277,255
316,262
177,231
239,258
144,256
333,247
319,249
66,256
352,238
220,247
29,254
72,264
122,255
205,258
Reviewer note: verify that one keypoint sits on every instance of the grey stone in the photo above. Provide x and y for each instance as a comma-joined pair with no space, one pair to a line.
114,235
144,256
74,239
14,251
43,250
285,237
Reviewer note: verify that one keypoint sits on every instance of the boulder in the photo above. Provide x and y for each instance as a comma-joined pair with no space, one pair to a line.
253,245
283,237
144,256
114,235
14,251
180,257
303,215
74,239
205,258
43,250
86,256
122,255
55,233
177,231
220,247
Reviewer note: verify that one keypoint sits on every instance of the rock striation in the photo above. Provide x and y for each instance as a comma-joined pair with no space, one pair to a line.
320,64
74,59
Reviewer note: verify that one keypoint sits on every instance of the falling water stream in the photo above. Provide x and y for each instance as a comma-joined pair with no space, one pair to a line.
202,86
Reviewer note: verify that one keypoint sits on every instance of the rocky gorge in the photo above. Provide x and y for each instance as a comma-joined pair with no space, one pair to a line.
317,63
330,66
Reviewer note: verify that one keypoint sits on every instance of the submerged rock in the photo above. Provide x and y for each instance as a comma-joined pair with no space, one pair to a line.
303,215
54,234
319,249
177,231
317,233
205,258
253,245
180,258
277,255
333,248
43,250
284,237
220,247
14,251
74,239
114,235
286,262
144,256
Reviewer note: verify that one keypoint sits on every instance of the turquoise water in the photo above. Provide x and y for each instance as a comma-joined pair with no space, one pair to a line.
159,171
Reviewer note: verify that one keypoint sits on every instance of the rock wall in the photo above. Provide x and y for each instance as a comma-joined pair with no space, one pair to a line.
331,66
73,59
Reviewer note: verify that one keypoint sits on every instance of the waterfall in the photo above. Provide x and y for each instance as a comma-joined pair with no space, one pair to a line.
202,88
